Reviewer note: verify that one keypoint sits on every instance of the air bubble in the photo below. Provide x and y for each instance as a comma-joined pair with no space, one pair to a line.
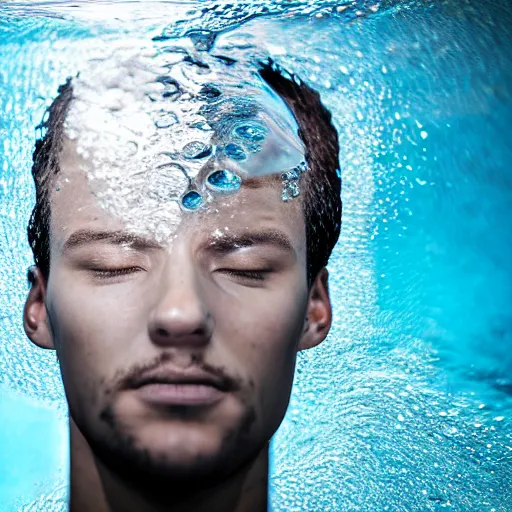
224,181
293,174
192,200
290,191
235,152
132,148
166,119
251,132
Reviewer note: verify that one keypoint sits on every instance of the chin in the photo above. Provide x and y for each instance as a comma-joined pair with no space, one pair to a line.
159,452
181,443
159,448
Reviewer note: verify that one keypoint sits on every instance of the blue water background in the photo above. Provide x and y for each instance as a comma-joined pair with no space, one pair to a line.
407,405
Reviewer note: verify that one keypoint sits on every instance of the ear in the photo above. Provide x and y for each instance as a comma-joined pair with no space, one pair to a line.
319,313
34,313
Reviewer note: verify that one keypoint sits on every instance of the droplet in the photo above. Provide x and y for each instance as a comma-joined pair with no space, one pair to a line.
132,148
192,200
235,152
294,189
166,119
302,167
224,181
292,174
290,190
251,132
196,150
154,96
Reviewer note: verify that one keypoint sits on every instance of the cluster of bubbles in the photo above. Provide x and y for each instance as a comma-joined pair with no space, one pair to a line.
291,181
163,130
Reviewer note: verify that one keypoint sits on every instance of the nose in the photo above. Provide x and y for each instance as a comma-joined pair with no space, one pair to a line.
180,316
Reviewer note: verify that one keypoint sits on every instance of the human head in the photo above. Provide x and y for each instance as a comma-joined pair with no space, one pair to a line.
321,201
239,307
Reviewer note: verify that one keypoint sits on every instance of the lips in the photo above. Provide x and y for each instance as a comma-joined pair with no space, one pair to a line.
168,386
174,376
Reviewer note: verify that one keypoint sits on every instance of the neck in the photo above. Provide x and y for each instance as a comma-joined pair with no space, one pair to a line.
95,488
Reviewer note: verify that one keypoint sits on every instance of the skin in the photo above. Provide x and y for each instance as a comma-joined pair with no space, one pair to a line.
111,308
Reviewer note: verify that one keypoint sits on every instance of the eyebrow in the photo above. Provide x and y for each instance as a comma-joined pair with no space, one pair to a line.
261,181
86,236
228,242
224,244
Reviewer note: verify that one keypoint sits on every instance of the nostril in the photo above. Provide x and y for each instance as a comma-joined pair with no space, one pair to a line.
180,326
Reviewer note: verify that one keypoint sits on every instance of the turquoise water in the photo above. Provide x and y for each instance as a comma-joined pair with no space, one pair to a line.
407,405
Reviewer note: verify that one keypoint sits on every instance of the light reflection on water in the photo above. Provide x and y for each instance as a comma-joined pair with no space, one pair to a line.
407,405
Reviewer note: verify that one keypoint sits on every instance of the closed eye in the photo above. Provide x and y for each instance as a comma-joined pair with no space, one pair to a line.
105,273
254,275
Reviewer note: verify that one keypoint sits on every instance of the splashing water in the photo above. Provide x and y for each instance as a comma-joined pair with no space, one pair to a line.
151,117
407,405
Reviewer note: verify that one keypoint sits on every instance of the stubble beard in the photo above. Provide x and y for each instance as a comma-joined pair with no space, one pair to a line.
160,476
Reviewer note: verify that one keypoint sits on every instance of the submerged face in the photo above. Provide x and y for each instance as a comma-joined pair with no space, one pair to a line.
144,293
229,296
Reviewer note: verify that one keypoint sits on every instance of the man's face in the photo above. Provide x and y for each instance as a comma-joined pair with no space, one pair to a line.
228,296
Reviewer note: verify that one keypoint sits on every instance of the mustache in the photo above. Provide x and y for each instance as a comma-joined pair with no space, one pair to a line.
133,377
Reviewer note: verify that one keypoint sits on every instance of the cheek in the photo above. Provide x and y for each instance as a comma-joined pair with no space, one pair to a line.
91,327
263,334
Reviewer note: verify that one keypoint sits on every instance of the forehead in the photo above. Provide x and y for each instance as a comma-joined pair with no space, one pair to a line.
150,135
256,206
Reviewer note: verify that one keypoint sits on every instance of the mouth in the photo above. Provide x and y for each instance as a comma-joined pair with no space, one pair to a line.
179,394
172,387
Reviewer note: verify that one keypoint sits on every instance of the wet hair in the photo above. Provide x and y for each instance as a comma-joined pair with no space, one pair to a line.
320,185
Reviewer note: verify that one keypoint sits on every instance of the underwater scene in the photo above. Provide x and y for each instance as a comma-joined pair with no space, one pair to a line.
407,404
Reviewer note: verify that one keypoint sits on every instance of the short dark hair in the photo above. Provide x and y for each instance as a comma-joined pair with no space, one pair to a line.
321,184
